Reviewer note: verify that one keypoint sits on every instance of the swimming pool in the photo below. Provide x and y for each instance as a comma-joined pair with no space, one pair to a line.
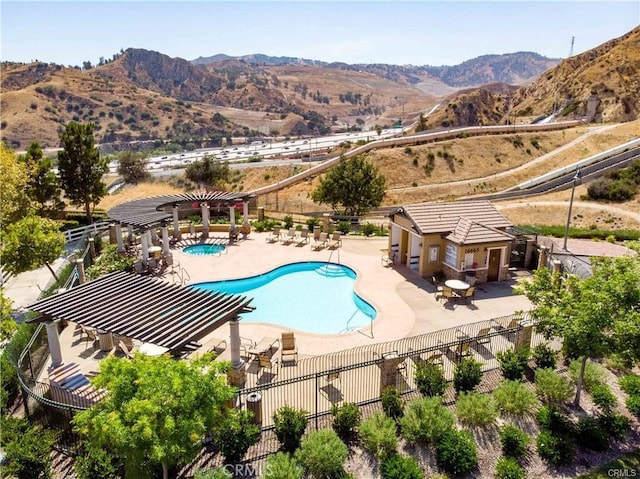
203,249
311,296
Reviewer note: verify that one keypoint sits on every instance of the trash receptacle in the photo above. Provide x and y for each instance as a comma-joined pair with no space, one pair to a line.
254,404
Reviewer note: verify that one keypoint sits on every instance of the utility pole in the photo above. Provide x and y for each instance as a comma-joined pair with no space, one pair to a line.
573,39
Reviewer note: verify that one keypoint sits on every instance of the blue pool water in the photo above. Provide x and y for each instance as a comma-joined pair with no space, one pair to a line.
312,296
204,249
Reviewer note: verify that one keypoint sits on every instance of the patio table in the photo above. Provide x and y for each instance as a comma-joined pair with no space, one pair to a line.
457,285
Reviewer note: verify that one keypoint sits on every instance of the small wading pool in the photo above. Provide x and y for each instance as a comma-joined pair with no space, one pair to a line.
203,249
313,296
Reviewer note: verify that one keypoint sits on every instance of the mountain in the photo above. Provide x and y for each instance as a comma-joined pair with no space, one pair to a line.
145,96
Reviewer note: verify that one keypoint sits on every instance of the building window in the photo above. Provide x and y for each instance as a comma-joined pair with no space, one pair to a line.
434,254
451,255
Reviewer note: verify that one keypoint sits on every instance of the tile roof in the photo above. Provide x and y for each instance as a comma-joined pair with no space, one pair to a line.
443,217
471,232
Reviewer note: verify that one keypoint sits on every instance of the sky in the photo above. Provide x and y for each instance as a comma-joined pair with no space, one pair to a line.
417,32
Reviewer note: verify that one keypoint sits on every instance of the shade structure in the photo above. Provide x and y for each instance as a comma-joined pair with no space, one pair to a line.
144,308
149,212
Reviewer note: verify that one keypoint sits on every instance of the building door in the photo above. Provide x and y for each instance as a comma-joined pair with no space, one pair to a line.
493,272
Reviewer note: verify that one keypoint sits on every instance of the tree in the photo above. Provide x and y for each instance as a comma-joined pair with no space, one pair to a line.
8,325
30,243
596,316
156,408
81,167
208,171
354,184
43,186
14,202
133,167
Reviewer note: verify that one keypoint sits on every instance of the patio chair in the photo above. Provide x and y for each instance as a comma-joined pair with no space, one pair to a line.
290,236
336,240
447,293
469,294
267,362
438,285
275,235
321,242
289,348
463,350
435,358
90,336
303,238
483,338
125,350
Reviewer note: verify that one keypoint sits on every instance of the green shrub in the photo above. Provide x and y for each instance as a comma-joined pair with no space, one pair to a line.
96,463
555,449
108,262
392,403
425,420
322,454
281,466
513,363
288,221
236,435
603,397
312,223
467,375
475,409
430,379
289,425
551,387
368,229
544,356
508,468
378,435
27,449
344,227
513,397
346,419
456,452
633,404
615,425
514,441
630,384
594,373
401,467
551,418
591,435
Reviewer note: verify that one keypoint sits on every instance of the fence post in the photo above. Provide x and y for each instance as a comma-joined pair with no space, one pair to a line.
81,276
316,414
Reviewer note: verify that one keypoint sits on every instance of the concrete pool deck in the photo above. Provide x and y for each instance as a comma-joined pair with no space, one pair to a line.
405,302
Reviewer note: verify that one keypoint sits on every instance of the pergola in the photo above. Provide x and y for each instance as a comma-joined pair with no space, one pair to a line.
144,308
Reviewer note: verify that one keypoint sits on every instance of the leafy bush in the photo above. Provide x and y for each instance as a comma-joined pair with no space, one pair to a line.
513,397
281,466
392,403
401,467
27,449
289,425
288,221
430,379
312,223
551,387
265,225
467,375
513,363
555,449
344,227
368,229
551,418
346,419
591,435
475,409
322,454
514,441
96,463
616,425
236,435
108,262
603,397
426,420
630,384
633,404
456,452
594,373
508,468
378,435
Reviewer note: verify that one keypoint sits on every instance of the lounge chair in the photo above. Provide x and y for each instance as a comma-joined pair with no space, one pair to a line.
289,350
290,237
266,346
303,238
125,350
336,240
90,336
321,242
275,235
483,338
